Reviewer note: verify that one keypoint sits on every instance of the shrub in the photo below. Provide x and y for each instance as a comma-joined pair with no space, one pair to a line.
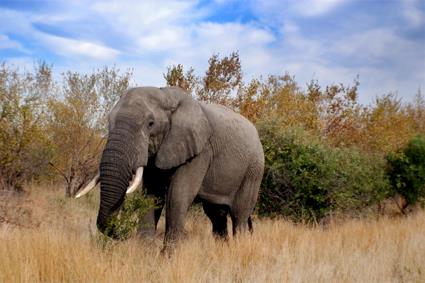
131,214
406,170
306,180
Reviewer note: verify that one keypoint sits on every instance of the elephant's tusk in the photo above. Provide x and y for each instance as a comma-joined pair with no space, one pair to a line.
89,186
136,181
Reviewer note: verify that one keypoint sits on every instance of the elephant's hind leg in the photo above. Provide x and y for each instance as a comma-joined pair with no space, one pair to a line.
250,225
245,199
217,213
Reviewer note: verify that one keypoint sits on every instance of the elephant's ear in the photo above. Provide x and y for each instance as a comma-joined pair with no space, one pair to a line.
188,134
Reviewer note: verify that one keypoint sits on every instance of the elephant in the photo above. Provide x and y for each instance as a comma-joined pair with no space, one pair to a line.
180,149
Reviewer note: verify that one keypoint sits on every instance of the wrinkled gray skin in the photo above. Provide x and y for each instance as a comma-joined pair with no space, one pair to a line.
189,149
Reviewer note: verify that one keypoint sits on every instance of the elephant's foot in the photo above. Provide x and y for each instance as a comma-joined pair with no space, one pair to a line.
147,232
221,235
167,251
171,241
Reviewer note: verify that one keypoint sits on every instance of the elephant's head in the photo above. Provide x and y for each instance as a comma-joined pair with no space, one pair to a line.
165,124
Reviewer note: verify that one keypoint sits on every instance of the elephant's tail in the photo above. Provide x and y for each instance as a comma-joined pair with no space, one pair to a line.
250,225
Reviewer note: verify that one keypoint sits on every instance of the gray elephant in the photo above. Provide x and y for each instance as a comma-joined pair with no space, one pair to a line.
186,149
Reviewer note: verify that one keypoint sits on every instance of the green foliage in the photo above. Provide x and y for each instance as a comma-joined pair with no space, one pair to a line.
24,147
131,214
306,180
406,170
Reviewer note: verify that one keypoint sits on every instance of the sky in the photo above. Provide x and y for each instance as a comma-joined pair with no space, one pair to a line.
332,41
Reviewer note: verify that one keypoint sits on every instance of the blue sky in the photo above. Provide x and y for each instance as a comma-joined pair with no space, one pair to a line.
333,41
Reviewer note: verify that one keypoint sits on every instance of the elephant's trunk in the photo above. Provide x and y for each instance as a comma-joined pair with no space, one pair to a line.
119,161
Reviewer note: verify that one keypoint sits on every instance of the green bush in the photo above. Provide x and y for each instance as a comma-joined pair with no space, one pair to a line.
135,207
406,170
305,180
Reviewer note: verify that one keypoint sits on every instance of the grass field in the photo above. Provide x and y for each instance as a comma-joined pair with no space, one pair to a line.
47,238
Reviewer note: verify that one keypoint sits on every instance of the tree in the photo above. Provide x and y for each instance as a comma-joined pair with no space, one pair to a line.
176,77
416,110
219,84
340,113
223,77
388,125
250,102
24,148
77,123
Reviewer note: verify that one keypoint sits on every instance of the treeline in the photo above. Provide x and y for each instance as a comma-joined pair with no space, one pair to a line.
332,112
53,130
325,152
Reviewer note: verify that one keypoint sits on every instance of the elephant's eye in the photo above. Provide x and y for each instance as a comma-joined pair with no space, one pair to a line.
150,124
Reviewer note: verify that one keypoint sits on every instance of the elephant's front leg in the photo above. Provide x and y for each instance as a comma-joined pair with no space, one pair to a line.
149,222
185,185
156,182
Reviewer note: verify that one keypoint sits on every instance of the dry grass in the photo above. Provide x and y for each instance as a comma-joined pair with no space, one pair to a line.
62,247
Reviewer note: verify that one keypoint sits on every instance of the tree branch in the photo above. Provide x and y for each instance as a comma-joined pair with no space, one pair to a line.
59,171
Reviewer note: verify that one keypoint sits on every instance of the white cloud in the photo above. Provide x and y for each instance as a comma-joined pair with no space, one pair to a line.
229,36
164,39
23,25
221,2
6,43
151,35
70,47
207,38
23,63
136,18
294,42
275,12
412,13
373,44
14,22
316,7
150,26
385,59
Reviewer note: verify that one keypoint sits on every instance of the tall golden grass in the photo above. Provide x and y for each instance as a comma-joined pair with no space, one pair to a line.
62,246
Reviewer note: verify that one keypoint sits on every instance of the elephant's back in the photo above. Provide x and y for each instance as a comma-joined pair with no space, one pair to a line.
233,131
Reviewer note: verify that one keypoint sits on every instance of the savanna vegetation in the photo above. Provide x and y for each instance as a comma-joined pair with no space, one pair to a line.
52,238
325,152
332,163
